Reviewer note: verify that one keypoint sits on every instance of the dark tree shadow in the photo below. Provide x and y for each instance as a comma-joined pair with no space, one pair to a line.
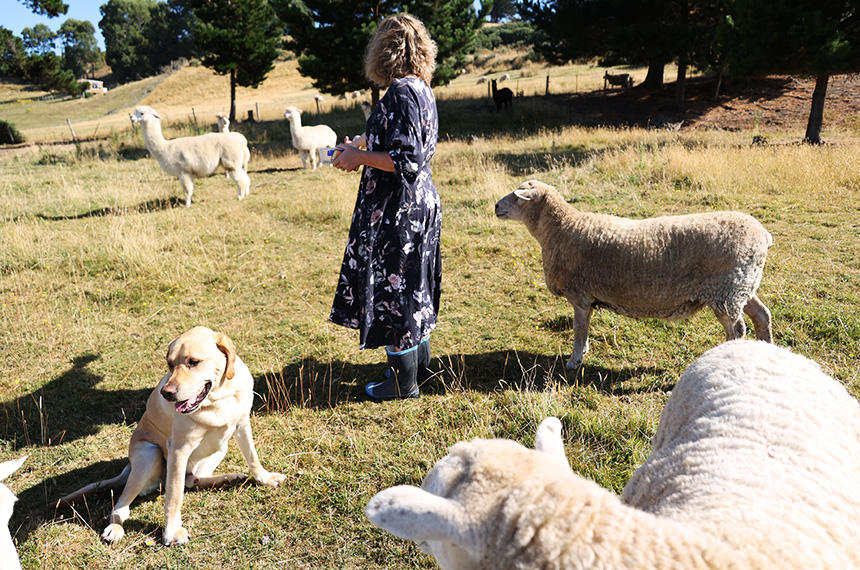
275,170
311,383
68,407
155,205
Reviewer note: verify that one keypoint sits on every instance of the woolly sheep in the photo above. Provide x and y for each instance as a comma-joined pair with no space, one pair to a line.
187,158
482,79
755,464
307,139
8,554
223,122
663,268
504,77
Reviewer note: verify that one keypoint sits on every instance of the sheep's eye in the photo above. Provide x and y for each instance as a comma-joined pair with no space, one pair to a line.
192,362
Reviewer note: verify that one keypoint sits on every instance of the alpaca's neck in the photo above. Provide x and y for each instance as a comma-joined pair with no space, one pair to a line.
296,130
153,137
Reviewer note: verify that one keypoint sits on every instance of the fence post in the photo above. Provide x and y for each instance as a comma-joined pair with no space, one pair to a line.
547,84
257,105
194,114
69,122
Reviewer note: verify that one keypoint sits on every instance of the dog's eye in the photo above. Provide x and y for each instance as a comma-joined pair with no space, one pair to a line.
192,362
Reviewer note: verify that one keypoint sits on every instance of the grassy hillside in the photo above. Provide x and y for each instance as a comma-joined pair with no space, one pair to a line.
101,267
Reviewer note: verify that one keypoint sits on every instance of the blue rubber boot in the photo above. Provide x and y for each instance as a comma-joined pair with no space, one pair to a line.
423,363
400,380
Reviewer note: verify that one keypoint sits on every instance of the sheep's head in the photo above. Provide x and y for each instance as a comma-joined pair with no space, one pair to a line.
514,205
450,515
291,112
143,114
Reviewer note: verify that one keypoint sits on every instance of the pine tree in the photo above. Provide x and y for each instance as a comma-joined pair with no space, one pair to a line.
330,36
50,8
239,38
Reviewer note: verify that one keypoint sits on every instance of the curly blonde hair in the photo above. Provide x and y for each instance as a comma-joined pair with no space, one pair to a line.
401,46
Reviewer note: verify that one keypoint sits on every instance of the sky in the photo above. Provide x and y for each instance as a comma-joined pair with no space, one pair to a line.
15,16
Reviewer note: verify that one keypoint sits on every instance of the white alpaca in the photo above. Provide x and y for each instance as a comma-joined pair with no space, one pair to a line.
307,139
187,158
223,123
755,465
8,554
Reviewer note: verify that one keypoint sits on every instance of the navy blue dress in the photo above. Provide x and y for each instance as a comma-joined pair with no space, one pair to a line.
391,273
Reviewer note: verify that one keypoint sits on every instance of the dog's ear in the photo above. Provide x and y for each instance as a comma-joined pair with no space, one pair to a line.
225,345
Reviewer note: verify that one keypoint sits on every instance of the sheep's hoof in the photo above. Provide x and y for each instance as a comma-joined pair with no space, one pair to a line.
573,363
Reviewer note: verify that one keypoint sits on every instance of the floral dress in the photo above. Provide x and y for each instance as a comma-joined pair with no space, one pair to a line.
391,273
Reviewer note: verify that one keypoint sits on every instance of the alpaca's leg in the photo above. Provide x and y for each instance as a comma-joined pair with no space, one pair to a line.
188,186
314,158
304,156
243,183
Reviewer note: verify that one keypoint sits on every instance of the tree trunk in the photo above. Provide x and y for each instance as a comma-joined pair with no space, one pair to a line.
719,81
654,78
816,113
681,84
232,95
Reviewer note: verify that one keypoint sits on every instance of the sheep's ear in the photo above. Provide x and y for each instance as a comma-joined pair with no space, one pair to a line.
524,194
548,440
414,514
9,467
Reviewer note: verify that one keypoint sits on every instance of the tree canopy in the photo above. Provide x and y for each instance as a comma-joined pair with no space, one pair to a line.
239,38
330,36
50,8
80,49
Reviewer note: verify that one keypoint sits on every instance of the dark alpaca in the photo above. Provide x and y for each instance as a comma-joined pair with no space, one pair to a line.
503,97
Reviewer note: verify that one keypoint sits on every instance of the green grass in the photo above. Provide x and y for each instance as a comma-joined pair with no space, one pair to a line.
101,267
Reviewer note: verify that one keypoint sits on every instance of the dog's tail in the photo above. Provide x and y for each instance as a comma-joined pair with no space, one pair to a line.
113,483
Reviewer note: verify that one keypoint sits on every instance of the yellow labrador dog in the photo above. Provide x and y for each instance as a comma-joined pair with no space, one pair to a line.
189,419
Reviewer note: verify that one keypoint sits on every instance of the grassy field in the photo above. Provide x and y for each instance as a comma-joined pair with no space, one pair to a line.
101,267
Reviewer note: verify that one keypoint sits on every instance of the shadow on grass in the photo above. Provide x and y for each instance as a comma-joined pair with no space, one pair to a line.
68,408
311,383
155,205
38,504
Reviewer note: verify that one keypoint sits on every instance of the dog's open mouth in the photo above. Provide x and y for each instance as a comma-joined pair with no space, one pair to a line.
191,404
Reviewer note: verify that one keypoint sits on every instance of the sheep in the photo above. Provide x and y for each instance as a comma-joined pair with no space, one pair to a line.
187,158
223,122
8,554
661,268
502,97
504,77
755,464
308,139
623,80
482,79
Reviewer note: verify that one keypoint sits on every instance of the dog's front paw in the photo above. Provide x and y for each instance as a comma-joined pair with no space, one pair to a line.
113,533
270,478
174,538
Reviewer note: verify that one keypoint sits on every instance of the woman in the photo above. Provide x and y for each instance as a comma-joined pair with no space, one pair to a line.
391,273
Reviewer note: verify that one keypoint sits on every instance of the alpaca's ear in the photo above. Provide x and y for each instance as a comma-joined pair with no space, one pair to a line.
225,345
9,467
414,514
548,440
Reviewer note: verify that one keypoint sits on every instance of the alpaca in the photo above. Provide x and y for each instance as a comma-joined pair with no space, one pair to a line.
502,97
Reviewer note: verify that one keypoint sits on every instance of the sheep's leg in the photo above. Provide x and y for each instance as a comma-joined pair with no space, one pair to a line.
734,326
760,317
581,318
188,186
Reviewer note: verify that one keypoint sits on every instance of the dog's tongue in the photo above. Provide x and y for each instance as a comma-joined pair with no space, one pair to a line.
183,406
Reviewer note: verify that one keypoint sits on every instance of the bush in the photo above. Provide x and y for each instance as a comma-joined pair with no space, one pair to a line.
9,134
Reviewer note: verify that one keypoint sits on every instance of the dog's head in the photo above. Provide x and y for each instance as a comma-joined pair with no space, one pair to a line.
199,360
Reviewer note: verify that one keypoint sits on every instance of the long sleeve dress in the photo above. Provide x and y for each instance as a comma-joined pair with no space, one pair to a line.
391,274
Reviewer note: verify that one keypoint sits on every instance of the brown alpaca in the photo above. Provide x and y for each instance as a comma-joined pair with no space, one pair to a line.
503,97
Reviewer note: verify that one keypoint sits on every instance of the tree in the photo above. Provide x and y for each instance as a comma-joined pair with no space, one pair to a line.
812,37
80,49
239,38
503,9
39,39
50,8
330,36
11,53
143,36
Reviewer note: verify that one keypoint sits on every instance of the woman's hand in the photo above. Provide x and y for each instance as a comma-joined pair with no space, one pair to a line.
349,157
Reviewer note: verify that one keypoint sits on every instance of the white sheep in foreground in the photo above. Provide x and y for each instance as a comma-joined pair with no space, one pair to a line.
308,139
755,464
187,158
662,268
504,77
223,122
8,554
